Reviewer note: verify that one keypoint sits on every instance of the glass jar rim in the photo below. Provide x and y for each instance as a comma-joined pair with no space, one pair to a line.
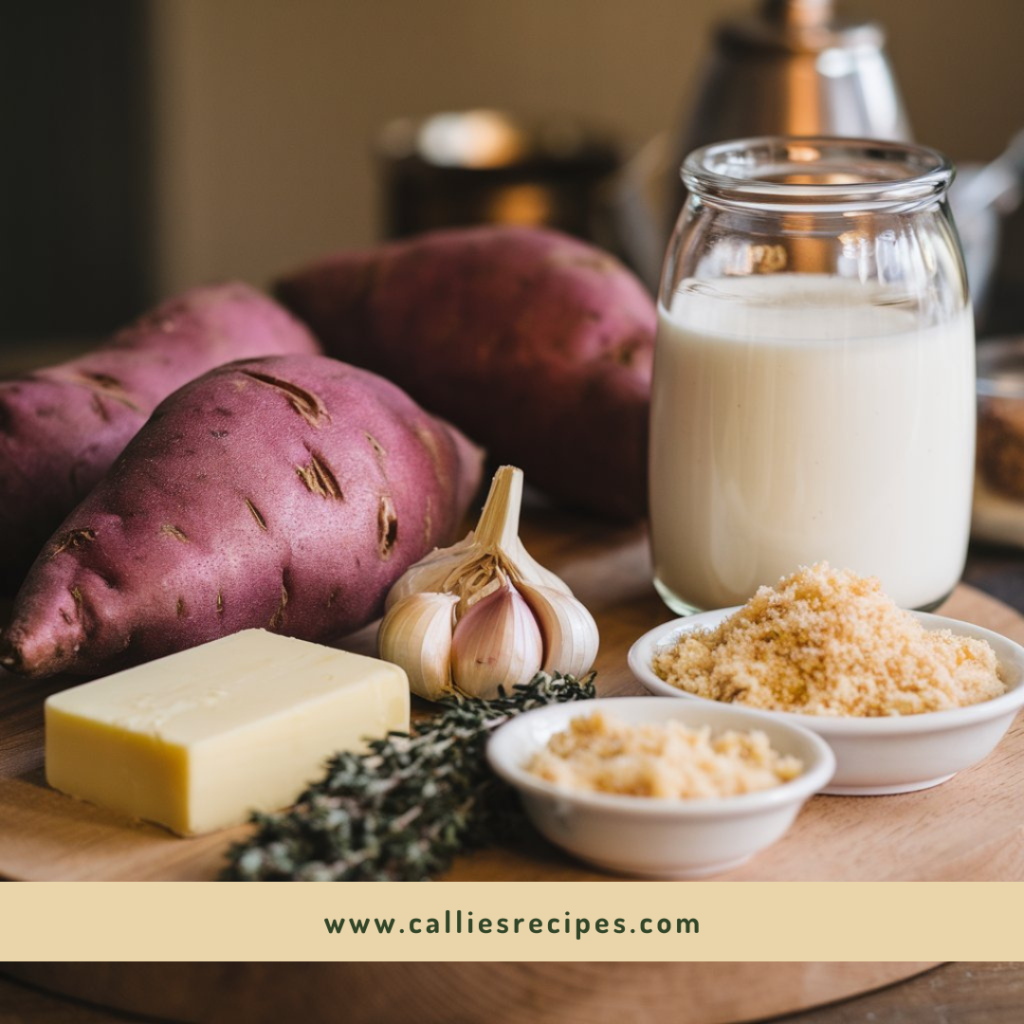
814,173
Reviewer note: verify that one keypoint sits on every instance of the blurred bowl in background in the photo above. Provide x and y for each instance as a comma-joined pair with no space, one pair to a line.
999,476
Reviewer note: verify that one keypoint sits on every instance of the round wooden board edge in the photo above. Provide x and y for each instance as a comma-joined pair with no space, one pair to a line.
495,992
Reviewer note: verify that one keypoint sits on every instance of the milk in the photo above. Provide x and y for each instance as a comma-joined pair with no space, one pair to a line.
804,417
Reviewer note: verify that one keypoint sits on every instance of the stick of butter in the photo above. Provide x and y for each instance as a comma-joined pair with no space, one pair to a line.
197,740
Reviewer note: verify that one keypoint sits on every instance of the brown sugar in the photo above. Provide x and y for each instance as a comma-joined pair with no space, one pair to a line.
601,754
828,642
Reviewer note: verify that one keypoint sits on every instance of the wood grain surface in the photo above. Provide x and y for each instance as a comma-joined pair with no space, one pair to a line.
971,828
464,993
978,993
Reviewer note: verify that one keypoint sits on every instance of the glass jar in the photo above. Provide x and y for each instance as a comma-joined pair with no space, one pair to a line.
813,392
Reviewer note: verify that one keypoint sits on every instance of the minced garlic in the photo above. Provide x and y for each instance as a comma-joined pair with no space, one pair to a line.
600,754
829,642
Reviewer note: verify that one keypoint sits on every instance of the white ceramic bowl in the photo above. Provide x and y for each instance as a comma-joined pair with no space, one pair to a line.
659,837
879,756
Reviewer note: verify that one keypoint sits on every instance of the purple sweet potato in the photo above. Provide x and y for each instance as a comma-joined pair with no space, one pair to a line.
61,428
285,493
535,344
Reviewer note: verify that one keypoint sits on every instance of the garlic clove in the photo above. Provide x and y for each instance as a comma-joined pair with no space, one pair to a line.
568,630
429,573
416,635
497,642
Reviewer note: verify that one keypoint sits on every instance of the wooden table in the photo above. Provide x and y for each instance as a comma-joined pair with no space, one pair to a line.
979,993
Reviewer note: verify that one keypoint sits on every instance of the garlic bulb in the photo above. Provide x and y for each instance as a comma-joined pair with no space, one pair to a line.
483,613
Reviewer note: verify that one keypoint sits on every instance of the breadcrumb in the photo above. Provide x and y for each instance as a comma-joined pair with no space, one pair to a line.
828,642
600,754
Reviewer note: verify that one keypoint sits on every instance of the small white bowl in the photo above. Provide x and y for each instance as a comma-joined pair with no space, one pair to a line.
659,838
878,756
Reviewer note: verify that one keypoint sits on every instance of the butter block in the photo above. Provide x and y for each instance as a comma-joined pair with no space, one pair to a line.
197,740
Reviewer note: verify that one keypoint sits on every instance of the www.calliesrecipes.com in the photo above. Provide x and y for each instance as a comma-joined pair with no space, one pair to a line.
459,923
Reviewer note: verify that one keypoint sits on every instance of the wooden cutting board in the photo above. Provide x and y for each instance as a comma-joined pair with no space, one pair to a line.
463,993
971,828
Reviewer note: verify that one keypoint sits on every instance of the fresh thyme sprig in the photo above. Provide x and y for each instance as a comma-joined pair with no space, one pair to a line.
402,811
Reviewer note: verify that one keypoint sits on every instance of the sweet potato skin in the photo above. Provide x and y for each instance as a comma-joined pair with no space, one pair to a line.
285,493
62,427
535,344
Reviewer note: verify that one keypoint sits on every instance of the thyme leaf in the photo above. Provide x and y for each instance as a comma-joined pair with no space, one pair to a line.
402,811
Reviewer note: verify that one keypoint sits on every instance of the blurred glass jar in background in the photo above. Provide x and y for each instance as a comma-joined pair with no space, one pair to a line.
487,167
813,392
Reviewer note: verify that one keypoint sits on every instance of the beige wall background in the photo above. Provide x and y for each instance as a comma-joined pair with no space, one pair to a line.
267,109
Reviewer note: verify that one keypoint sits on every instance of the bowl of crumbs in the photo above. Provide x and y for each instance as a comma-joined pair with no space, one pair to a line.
905,699
657,787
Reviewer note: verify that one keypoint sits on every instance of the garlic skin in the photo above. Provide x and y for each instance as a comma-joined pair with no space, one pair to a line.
483,614
531,571
429,573
498,638
417,635
567,628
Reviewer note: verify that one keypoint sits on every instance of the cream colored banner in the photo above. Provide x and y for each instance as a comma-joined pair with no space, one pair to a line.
617,921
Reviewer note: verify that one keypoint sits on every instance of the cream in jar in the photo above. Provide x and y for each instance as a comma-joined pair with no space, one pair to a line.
807,417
